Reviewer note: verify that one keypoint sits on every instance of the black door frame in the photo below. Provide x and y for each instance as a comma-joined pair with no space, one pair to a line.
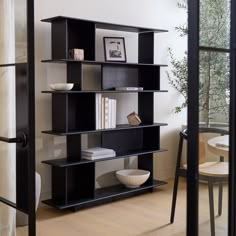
193,121
232,150
25,125
31,106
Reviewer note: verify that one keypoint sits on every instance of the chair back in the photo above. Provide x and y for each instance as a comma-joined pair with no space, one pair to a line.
202,141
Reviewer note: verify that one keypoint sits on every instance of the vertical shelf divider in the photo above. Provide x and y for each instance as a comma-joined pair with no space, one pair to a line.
146,107
59,36
146,48
73,143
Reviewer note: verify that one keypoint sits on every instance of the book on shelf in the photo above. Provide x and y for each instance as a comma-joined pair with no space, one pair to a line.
97,151
105,112
113,114
129,88
98,111
98,156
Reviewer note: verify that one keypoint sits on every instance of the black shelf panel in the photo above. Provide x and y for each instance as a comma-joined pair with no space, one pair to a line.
106,194
118,127
13,64
108,26
63,162
88,62
106,91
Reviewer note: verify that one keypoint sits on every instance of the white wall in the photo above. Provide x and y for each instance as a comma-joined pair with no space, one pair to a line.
153,14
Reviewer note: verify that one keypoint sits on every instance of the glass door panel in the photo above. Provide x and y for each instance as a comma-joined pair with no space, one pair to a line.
214,24
13,31
7,129
8,215
214,75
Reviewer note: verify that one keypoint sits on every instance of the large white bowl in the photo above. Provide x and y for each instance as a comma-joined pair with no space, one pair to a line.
61,86
132,178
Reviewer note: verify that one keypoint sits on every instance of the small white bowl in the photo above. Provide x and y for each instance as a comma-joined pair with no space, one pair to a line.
132,178
61,86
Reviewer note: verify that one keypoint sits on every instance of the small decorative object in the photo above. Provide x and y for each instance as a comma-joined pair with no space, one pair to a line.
61,86
132,178
114,48
134,119
76,54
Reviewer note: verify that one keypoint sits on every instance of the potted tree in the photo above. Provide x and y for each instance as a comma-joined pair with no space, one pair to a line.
213,65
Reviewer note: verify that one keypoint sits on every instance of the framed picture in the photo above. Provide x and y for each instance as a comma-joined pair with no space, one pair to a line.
114,48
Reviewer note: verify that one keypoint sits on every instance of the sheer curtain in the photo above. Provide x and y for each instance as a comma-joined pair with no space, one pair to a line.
7,115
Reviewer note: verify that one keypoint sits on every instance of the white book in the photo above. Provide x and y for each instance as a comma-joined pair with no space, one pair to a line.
96,101
129,88
114,113
106,113
99,111
103,113
110,113
97,150
98,157
95,155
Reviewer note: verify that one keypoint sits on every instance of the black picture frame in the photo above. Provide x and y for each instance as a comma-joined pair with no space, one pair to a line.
114,49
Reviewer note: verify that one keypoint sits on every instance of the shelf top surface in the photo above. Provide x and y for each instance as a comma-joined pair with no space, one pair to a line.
108,26
118,127
103,91
13,64
100,62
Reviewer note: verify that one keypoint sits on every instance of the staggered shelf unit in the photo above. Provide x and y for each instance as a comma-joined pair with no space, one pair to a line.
74,113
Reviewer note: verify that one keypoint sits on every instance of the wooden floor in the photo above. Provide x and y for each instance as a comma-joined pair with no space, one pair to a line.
143,215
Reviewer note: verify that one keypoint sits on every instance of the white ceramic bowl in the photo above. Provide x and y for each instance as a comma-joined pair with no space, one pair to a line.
132,178
61,86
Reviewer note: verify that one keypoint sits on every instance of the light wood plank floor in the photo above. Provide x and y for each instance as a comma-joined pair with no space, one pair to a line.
144,215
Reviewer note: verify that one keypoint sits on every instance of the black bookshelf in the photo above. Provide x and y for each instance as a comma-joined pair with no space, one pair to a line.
74,113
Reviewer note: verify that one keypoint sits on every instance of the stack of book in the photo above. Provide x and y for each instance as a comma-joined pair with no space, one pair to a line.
97,153
105,112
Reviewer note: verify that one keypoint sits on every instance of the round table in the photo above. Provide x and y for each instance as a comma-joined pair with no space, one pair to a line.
219,145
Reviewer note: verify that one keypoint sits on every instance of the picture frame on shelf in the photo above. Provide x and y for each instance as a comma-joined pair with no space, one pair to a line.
114,49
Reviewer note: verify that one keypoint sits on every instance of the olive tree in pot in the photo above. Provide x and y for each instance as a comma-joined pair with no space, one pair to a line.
213,66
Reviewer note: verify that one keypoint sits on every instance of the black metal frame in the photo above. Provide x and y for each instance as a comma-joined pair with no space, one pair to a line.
31,95
193,120
232,140
25,139
193,112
